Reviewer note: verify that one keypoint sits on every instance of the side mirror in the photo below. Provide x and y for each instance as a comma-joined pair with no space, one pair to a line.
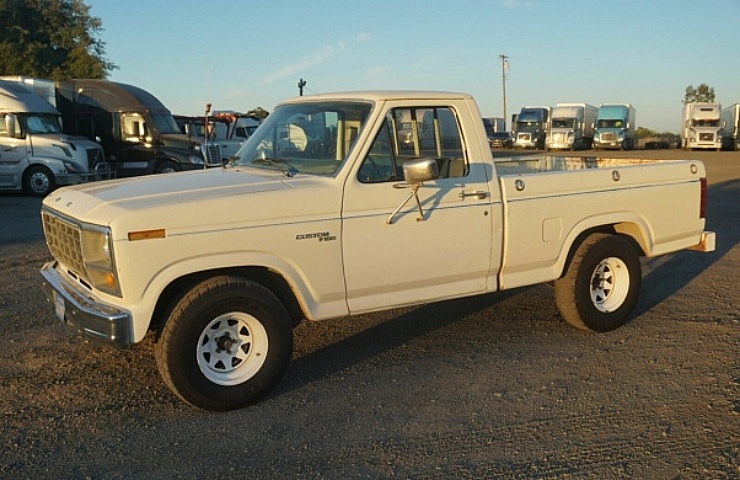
415,173
420,170
10,125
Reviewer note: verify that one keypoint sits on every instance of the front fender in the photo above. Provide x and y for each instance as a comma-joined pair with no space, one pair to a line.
313,304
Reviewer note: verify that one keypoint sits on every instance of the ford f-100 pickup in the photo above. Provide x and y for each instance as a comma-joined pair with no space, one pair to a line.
344,204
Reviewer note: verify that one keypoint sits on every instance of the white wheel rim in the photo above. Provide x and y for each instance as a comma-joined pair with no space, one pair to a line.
610,284
232,348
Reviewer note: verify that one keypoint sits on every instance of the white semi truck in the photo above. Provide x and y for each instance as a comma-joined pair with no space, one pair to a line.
571,127
35,156
730,117
701,126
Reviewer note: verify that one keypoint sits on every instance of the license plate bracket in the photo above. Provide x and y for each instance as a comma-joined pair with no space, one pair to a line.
59,306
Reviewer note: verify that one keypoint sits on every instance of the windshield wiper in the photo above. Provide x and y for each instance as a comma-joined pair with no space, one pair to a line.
283,163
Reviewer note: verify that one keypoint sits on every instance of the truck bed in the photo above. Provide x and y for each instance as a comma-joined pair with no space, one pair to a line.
549,200
523,165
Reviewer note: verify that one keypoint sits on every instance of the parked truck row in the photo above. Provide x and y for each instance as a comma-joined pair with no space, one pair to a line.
575,126
580,126
56,133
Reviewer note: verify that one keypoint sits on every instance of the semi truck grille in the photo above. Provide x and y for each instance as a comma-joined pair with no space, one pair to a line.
608,137
63,239
212,153
524,137
559,137
94,156
706,137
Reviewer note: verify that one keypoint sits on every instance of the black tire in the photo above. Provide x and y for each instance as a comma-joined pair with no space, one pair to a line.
225,345
167,166
38,181
601,284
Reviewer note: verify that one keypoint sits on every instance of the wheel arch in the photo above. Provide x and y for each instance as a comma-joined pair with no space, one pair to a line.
268,278
635,231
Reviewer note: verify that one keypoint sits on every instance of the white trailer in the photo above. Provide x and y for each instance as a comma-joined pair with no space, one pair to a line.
701,126
730,117
571,126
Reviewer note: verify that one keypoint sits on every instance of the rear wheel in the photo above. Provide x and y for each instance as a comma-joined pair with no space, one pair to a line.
601,284
226,344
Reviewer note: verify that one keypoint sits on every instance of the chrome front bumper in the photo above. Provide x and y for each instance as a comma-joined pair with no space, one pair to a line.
73,306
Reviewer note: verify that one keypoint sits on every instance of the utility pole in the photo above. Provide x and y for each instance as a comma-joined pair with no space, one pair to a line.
504,65
301,84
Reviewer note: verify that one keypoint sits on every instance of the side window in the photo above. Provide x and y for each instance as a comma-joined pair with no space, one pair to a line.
134,126
409,133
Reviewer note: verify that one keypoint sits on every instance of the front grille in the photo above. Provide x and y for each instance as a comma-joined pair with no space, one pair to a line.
608,137
524,137
212,153
560,137
706,137
94,156
64,241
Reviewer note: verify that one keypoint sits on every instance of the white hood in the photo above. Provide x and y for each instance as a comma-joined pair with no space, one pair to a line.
195,200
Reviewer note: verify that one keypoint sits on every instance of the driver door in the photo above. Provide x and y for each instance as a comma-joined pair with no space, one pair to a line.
402,258
13,153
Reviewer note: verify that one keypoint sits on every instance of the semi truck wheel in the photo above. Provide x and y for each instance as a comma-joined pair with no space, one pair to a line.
226,344
38,181
167,166
601,284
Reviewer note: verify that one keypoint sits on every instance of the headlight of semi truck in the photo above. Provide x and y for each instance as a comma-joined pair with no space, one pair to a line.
72,167
97,255
195,159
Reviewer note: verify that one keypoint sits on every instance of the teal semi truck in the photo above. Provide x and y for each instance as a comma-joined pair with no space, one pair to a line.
615,127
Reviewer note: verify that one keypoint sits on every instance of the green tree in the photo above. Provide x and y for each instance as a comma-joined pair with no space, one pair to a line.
54,39
702,93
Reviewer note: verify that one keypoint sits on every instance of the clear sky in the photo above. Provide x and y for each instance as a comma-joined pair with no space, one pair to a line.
241,54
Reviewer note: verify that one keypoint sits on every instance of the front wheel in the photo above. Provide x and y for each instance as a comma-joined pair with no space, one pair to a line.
38,181
601,284
167,166
226,344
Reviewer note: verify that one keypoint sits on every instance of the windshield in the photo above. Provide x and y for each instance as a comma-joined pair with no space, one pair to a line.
606,123
41,123
311,138
706,122
165,124
563,123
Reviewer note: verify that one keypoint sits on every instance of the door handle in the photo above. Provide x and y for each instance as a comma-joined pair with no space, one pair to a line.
475,193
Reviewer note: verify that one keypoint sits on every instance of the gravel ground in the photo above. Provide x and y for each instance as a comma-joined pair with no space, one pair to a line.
496,386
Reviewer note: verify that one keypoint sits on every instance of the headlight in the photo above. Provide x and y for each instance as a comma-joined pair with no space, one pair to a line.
72,167
97,255
195,159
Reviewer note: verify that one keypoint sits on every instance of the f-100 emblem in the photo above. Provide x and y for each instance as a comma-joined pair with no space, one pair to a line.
321,236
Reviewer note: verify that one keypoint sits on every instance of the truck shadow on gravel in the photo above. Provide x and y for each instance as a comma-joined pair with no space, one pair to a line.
670,273
376,340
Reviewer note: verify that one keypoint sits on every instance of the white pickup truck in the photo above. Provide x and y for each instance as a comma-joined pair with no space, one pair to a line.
345,204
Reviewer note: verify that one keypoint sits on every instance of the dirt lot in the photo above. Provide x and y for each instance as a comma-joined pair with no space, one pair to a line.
491,387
